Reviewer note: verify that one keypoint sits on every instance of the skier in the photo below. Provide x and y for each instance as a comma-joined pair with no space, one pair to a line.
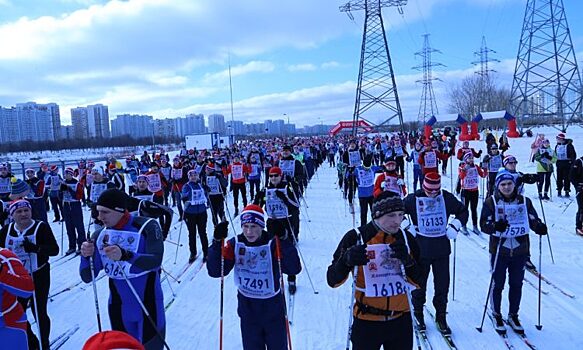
544,159
509,164
566,155
381,313
365,176
37,195
33,242
129,249
54,183
165,170
217,185
293,170
195,197
469,175
14,282
281,205
71,192
576,175
390,181
430,209
238,173
178,177
492,162
506,217
258,261
414,158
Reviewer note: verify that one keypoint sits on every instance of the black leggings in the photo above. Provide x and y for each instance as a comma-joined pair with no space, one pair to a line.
194,223
544,178
470,199
42,283
372,335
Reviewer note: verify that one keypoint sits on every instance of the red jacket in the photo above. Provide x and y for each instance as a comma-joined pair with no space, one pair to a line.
163,182
427,168
395,182
15,281
470,183
238,171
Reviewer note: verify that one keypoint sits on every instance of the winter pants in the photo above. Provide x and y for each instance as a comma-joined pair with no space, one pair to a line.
162,218
491,182
309,168
42,284
294,221
14,338
196,222
579,216
166,195
365,203
57,206
563,168
401,165
440,268
444,166
470,199
396,334
254,185
259,334
217,208
544,178
239,188
515,266
73,215
178,202
417,177
331,160
39,209
350,187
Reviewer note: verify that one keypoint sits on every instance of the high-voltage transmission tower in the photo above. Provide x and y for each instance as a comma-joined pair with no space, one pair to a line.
376,79
547,84
483,59
428,106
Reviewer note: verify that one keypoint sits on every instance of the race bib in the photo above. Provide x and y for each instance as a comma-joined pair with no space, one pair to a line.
517,217
471,180
213,183
68,195
166,171
15,244
55,183
288,167
398,151
197,197
96,191
561,152
354,158
382,274
154,183
274,206
255,170
495,163
392,184
177,173
365,177
254,271
431,216
430,159
127,240
237,171
5,185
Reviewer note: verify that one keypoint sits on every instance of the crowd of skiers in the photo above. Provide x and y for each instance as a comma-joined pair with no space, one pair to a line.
390,257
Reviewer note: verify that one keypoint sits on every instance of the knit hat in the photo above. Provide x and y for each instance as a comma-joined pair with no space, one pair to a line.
98,170
70,171
15,205
275,170
432,182
504,175
28,170
386,202
561,136
18,188
142,177
113,199
468,156
253,214
509,158
110,340
53,167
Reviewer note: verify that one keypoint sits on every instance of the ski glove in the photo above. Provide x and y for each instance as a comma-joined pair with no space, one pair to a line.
355,256
540,228
30,247
501,225
221,231
453,229
400,251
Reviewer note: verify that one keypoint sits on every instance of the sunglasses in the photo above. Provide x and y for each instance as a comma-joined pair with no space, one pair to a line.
274,175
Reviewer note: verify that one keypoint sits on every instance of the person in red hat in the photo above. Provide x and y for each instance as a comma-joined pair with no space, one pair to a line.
258,258
112,340
429,158
430,209
469,175
566,155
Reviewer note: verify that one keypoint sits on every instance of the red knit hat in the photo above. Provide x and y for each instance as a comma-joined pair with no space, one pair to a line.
561,136
110,340
253,214
275,170
432,182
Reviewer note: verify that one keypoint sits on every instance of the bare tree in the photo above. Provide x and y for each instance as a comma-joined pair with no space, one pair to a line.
476,94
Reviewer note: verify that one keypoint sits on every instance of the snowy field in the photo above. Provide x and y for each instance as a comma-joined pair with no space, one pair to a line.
320,320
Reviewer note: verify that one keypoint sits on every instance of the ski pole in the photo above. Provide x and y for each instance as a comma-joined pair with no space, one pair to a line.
169,274
179,235
34,301
62,238
94,286
454,259
282,289
491,286
222,294
451,175
545,221
539,326
409,298
146,312
301,256
353,296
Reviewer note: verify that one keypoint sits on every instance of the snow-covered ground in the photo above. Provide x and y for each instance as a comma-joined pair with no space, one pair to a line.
320,320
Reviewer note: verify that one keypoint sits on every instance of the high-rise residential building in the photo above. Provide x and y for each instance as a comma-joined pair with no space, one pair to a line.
29,122
235,127
217,123
134,126
165,128
278,127
98,121
79,122
191,124
55,114
9,128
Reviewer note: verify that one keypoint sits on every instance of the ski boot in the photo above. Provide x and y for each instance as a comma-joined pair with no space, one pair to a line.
420,320
559,194
498,323
529,265
442,324
567,195
70,251
579,232
192,258
464,231
514,323
477,230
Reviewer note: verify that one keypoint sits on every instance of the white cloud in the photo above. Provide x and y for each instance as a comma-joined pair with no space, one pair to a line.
303,67
330,65
239,70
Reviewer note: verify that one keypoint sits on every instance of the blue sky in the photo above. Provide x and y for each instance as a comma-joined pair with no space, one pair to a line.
168,58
